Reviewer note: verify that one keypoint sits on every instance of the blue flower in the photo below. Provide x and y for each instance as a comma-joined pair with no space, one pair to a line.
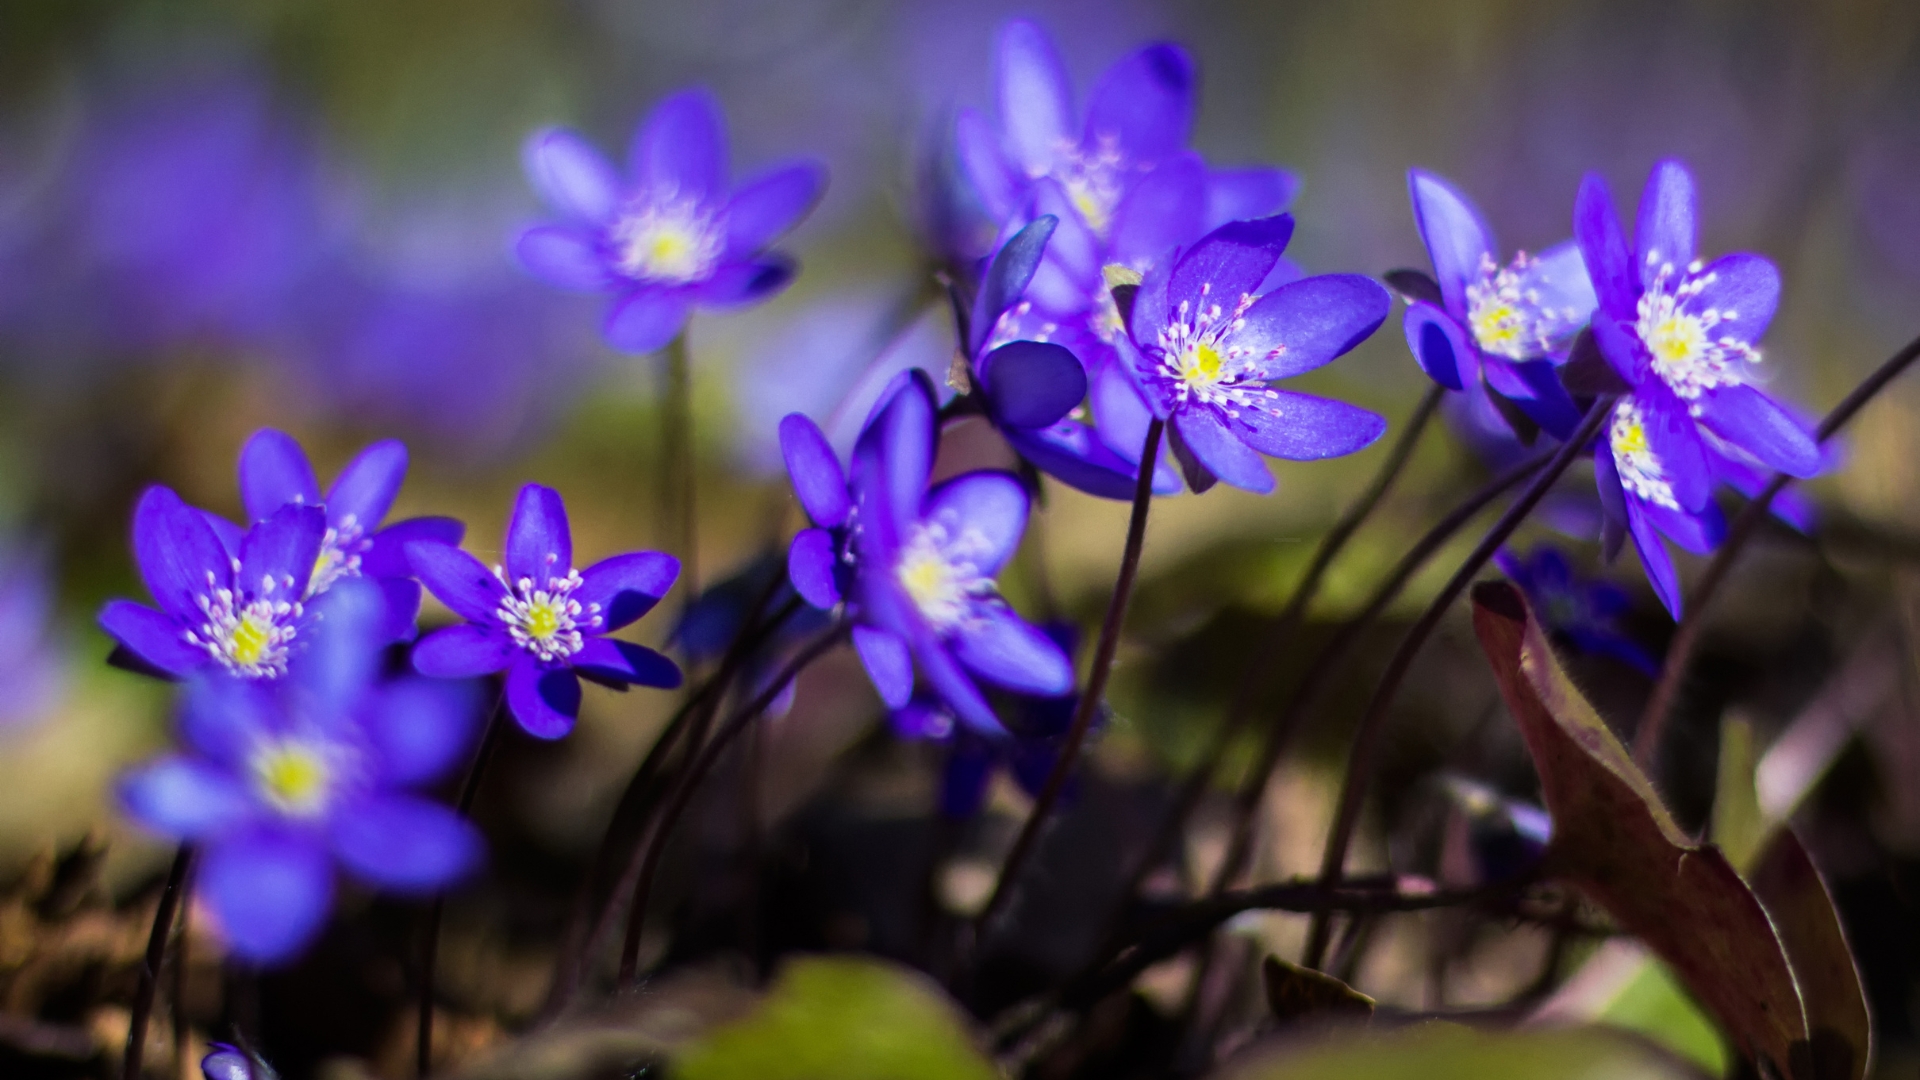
1493,327
278,783
1681,332
224,1062
238,605
274,473
1208,345
1584,613
675,236
916,566
540,620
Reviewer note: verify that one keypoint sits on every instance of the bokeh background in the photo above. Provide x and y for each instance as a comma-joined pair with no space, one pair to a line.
217,215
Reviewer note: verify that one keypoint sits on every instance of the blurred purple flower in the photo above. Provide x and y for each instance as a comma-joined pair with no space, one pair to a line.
540,620
31,663
677,237
917,566
1205,366
279,783
224,1062
1585,613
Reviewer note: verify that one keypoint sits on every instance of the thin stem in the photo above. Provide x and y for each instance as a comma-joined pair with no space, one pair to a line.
430,952
678,472
1257,675
1366,741
182,1051
170,895
1090,696
1653,721
689,782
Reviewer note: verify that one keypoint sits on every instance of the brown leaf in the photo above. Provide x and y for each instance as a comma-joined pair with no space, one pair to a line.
1615,840
1790,888
1294,993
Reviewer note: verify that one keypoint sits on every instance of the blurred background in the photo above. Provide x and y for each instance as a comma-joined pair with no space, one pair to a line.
218,215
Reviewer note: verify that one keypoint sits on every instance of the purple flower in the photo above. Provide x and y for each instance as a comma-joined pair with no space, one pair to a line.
274,472
1208,345
1485,327
676,236
32,666
1681,333
540,620
280,782
1585,613
224,1062
916,567
238,605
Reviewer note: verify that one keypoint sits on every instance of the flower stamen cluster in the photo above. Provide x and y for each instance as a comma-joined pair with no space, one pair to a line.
673,240
253,639
295,778
340,552
941,574
1508,316
1202,366
1093,180
1640,469
546,620
1687,354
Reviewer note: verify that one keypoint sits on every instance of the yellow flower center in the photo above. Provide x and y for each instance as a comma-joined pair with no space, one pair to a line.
1676,340
542,620
1497,327
251,638
292,778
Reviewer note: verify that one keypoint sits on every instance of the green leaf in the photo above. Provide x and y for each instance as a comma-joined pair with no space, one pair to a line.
1615,840
1437,1051
1739,826
844,1018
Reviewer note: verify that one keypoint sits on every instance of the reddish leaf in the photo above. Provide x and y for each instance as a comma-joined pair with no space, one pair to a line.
1787,883
1616,842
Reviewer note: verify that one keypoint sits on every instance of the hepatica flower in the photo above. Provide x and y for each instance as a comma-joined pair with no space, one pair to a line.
278,783
915,566
540,620
1491,326
673,236
1585,613
238,609
1208,346
1681,332
274,473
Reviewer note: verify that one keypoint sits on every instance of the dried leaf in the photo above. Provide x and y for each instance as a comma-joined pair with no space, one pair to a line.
1615,840
1802,910
1294,993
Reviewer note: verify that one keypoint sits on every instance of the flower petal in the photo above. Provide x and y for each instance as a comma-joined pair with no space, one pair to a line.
1311,321
1457,237
224,718
152,636
544,701
458,580
955,688
1072,453
1123,419
423,728
365,489
1031,384
1754,422
343,654
978,146
539,541
564,257
1620,348
405,844
1008,273
386,556
646,319
884,654
185,799
230,534
270,891
1744,290
1437,342
738,283
274,471
682,148
814,470
179,556
1654,558
627,586
1665,231
1003,649
766,207
1243,194
464,651
1558,277
403,607
1036,108
1302,427
1596,227
812,566
277,555
1221,452
1228,263
1698,532
1144,104
1066,277
1675,444
1165,209
613,660
570,175
893,458
982,515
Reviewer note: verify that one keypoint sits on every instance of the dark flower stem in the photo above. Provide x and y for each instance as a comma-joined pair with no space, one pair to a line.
182,1051
678,474
1090,695
469,788
171,895
1366,741
689,782
1653,721
1257,675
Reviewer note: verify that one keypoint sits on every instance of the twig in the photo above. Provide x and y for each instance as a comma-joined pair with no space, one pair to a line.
170,895
469,788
